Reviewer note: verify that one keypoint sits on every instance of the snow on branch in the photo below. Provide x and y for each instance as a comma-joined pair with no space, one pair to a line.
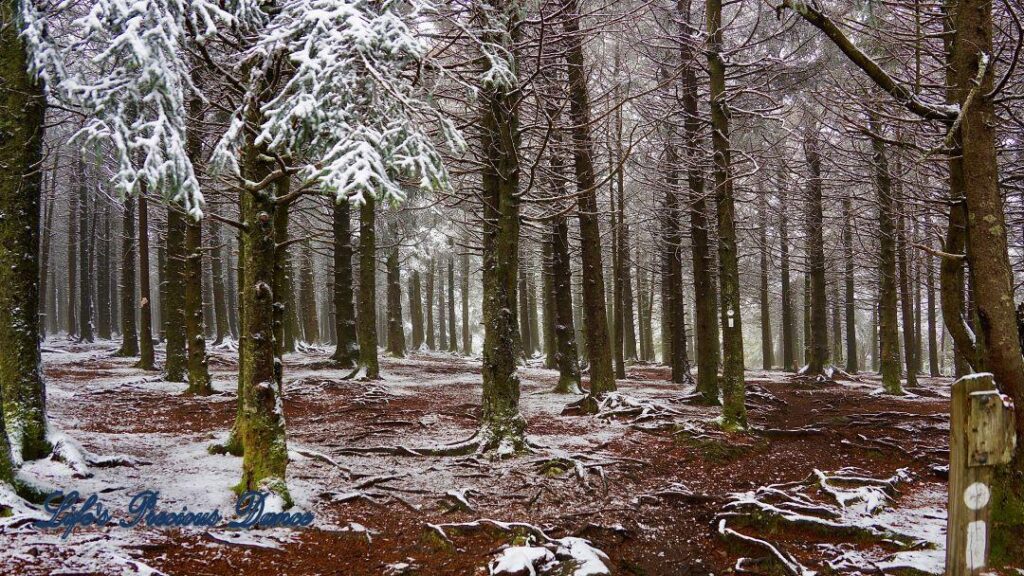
351,105
134,84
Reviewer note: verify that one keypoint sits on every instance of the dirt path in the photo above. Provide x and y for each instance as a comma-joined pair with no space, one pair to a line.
646,492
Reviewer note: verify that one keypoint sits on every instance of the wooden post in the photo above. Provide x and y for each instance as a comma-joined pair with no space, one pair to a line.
981,436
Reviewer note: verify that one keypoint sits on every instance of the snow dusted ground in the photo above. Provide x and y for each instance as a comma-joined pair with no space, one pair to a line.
598,495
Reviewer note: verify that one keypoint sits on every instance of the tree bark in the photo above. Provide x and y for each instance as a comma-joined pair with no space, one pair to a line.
416,310
734,412
788,330
453,339
467,338
767,360
396,326
310,322
347,351
129,329
431,342
103,276
176,363
367,327
198,367
22,117
85,310
602,379
217,268
816,256
146,353
851,303
888,336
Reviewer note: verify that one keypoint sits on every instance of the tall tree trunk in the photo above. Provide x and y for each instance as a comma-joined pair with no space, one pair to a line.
396,326
765,295
73,254
347,351
453,339
705,299
990,270
46,311
625,303
442,311
85,310
367,326
103,277
22,116
615,301
816,256
232,272
888,336
467,338
310,323
602,379
502,424
906,298
851,303
548,303
526,337
176,363
129,329
416,310
734,412
146,354
673,278
198,367
217,269
788,332
565,330
431,343
933,345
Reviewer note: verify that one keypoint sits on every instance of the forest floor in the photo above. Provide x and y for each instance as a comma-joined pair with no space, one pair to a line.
833,477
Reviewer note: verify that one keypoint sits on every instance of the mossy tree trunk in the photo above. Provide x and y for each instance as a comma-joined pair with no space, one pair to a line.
22,116
502,424
734,412
788,333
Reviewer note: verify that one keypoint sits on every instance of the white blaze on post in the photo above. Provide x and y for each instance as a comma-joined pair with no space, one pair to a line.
976,496
975,557
729,313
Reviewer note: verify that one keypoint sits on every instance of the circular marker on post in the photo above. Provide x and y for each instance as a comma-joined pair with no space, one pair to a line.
976,496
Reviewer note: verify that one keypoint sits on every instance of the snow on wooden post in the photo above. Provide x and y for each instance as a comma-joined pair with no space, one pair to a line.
980,437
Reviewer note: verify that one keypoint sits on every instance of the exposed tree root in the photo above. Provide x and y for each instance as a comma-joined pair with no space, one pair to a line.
843,504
